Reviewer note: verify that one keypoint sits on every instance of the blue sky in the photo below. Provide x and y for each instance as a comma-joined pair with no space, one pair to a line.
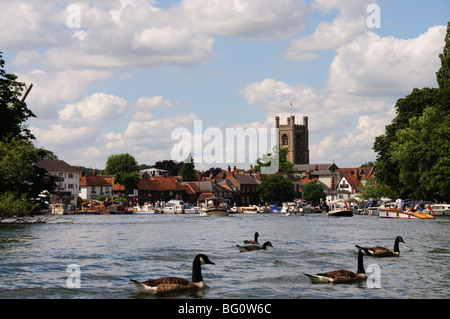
135,70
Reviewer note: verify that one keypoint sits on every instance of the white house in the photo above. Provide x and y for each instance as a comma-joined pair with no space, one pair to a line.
93,186
68,182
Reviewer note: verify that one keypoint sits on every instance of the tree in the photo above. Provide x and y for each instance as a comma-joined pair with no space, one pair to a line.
188,171
275,188
120,163
13,109
413,154
20,180
313,194
124,168
169,165
374,189
283,164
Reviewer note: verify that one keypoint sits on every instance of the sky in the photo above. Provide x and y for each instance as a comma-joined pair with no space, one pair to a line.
124,76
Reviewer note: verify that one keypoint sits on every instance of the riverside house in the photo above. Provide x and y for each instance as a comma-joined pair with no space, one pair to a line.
68,183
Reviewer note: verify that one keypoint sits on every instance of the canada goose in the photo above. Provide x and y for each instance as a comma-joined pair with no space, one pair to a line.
253,241
341,276
254,247
378,251
173,284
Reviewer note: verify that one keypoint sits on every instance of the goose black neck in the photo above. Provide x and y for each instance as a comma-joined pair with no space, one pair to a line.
197,270
396,245
360,263
256,236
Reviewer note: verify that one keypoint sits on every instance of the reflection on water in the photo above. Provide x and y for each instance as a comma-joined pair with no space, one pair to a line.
110,250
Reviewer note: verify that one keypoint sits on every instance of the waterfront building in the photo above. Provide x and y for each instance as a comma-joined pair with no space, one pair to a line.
67,190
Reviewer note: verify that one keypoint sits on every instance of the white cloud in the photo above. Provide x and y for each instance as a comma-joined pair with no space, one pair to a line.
52,89
99,108
350,23
387,66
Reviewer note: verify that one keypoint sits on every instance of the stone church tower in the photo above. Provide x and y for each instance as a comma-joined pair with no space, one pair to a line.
295,138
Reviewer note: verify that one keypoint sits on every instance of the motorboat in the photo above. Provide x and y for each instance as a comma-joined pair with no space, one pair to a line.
214,206
441,209
250,209
57,209
339,208
174,206
401,214
144,209
189,209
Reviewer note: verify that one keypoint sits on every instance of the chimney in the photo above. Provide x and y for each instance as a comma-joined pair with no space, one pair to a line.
332,183
316,167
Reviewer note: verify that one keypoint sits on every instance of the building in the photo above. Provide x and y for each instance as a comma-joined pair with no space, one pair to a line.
93,186
295,138
68,183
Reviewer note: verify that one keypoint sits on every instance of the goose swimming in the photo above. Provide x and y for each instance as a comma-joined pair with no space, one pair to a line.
254,247
164,285
341,276
252,241
379,251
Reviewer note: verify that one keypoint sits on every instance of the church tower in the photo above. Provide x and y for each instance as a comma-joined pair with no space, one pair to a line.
295,138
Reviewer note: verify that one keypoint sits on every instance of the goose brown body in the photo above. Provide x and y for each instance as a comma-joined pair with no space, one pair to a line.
165,285
254,247
255,241
379,251
341,276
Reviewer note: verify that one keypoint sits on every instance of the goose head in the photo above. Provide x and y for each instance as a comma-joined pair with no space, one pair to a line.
204,259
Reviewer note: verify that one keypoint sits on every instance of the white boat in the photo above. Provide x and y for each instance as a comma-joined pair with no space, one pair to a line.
293,209
249,209
189,209
214,207
57,209
144,209
401,214
339,208
174,206
441,209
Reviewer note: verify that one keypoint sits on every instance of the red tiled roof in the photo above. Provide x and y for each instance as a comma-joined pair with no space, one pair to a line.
93,181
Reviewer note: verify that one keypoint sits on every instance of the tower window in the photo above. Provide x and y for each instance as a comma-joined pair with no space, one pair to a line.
284,140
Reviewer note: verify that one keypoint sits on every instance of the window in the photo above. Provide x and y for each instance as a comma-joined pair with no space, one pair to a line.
284,140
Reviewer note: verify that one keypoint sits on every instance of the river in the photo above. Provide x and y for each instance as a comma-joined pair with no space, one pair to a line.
95,256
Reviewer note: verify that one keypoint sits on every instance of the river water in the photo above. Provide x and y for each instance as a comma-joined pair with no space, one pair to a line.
95,256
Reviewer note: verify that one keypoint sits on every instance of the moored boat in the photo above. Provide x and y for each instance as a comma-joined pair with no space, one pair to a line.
214,207
174,206
339,208
401,214
144,209
441,209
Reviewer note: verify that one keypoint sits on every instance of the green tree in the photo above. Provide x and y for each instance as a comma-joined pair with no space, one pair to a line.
13,109
283,164
120,163
275,188
374,189
313,194
124,168
188,171
20,180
